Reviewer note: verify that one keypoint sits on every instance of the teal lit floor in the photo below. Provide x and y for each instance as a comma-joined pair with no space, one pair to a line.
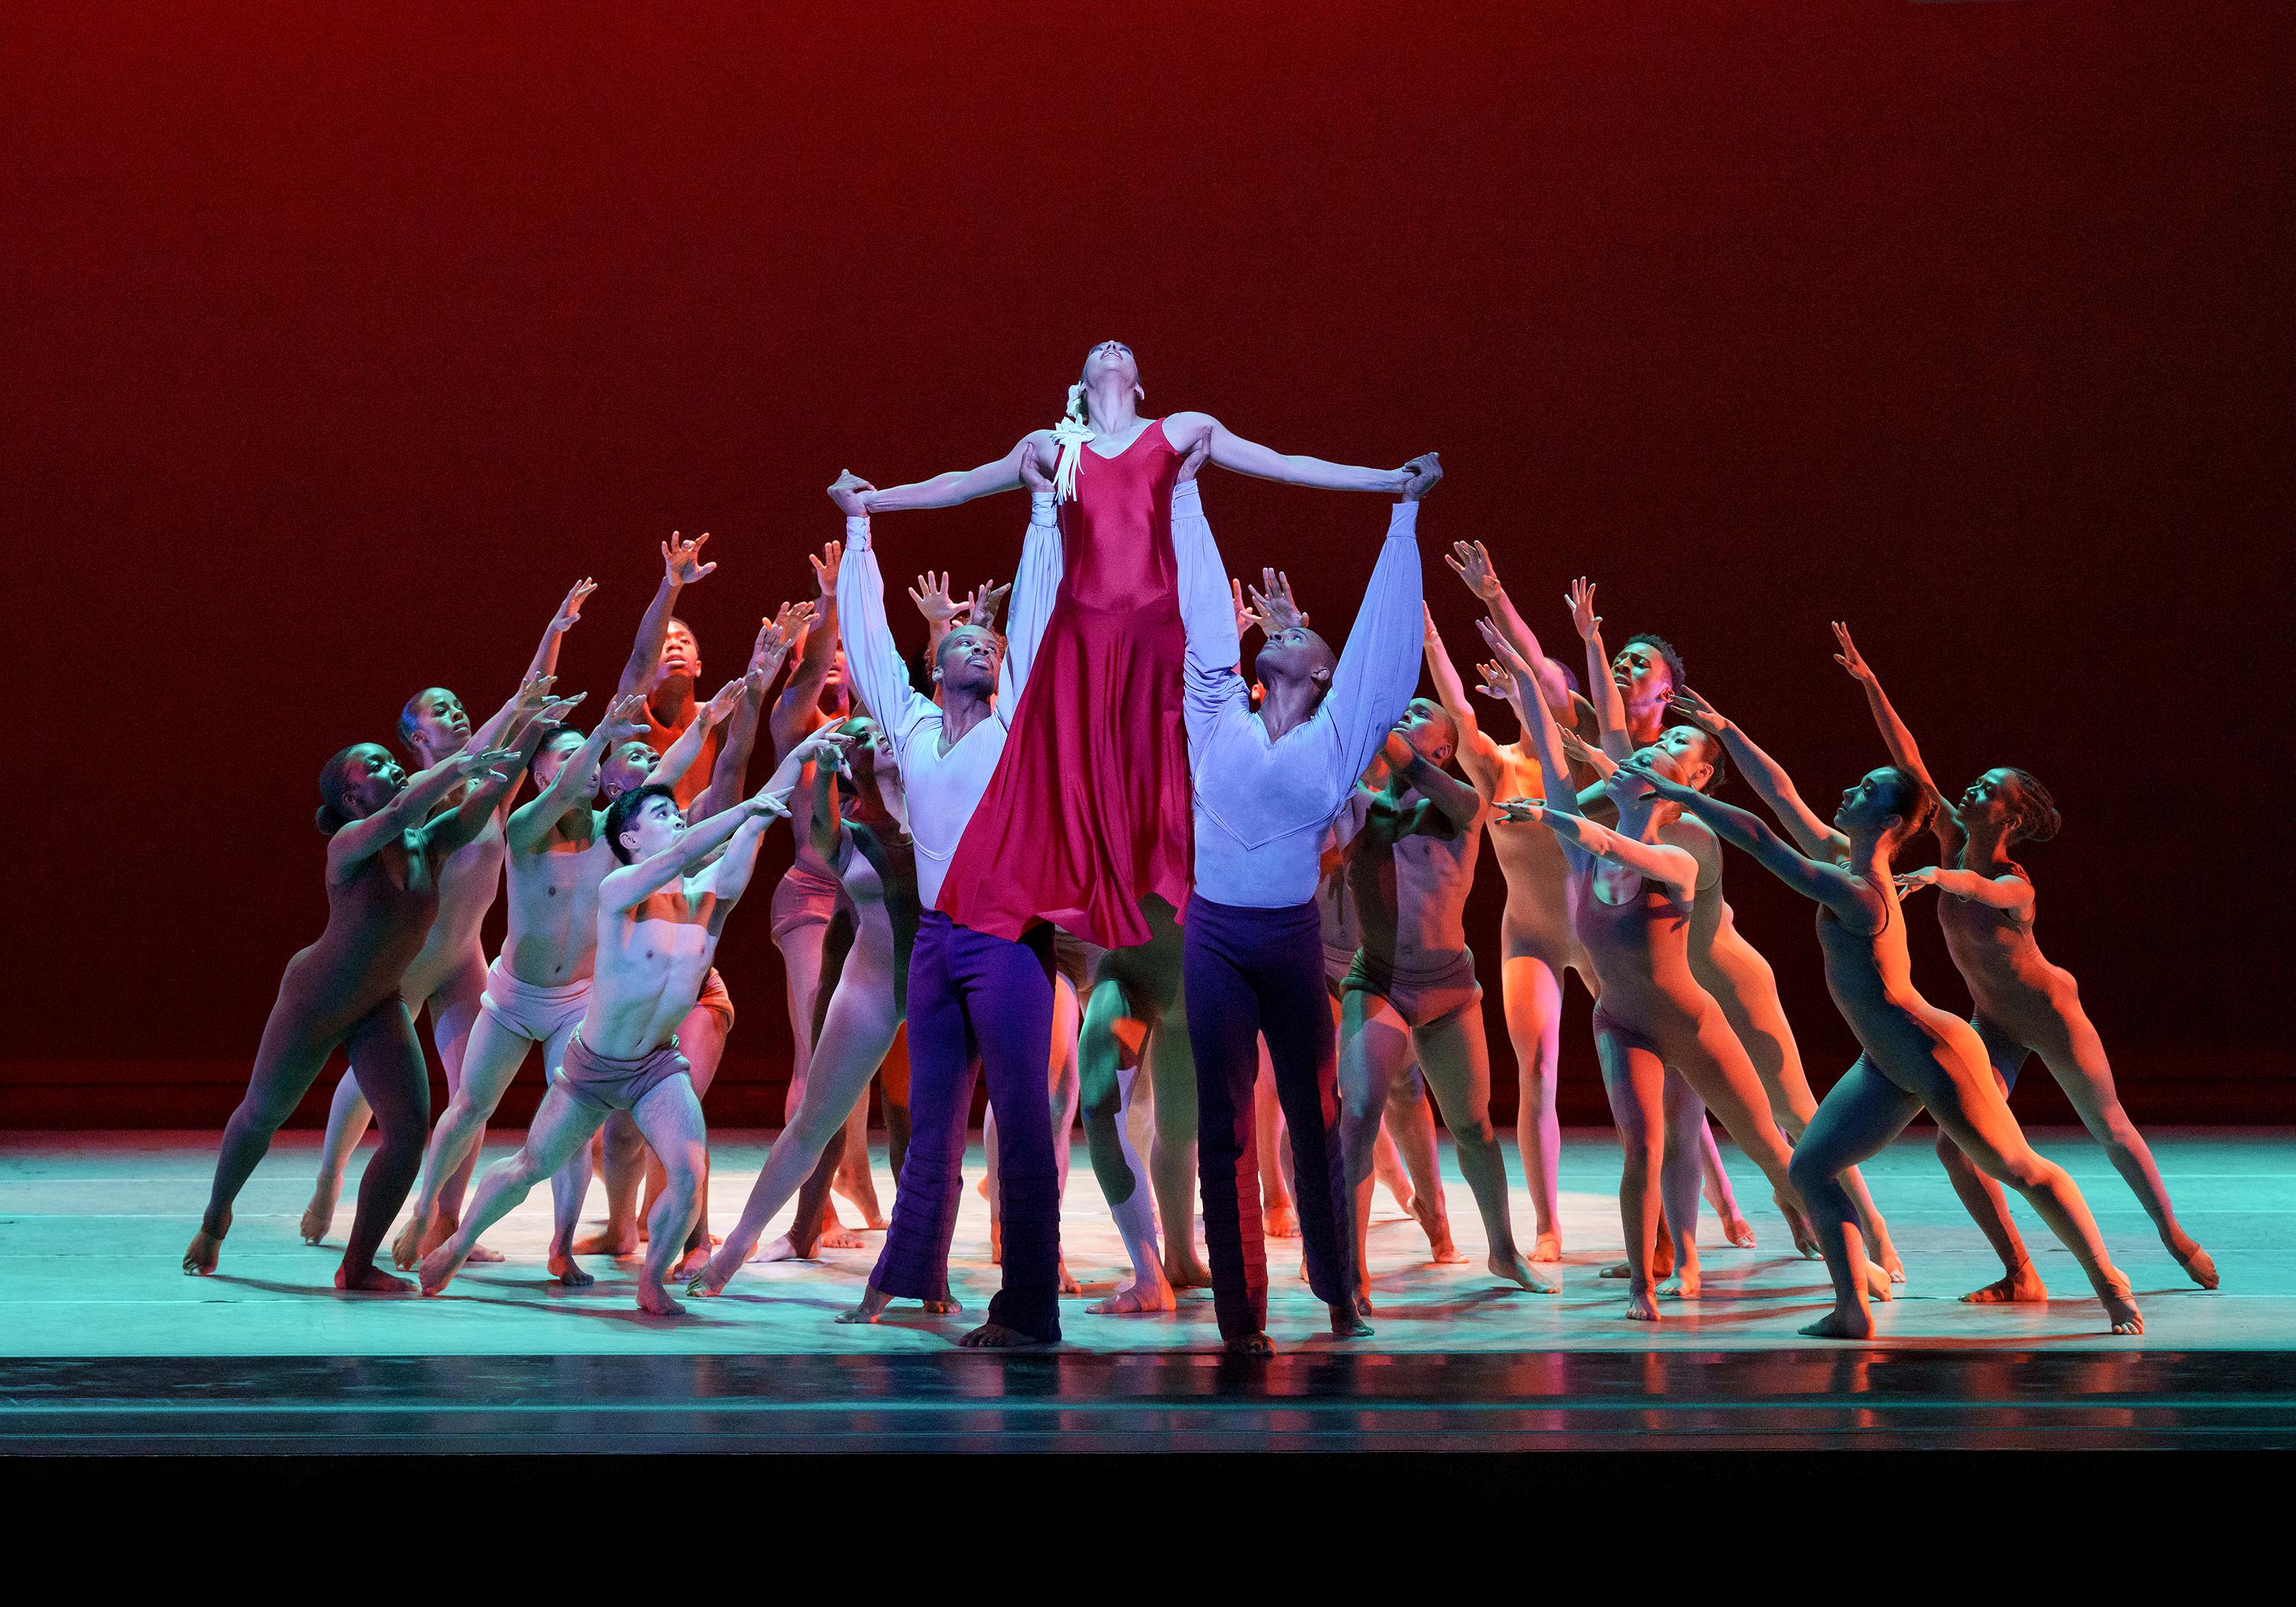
94,1226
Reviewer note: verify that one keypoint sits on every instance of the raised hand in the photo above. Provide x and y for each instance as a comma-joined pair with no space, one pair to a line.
1583,617
1194,459
987,601
1397,752
1272,603
1672,792
776,636
1523,811
571,610
1577,747
826,741
934,602
767,803
1911,881
1244,617
824,569
488,765
721,707
1494,682
848,491
1473,564
554,711
1421,472
1504,652
1850,658
625,718
681,560
1695,711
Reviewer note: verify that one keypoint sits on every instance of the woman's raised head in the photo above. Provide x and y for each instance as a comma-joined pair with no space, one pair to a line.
355,783
433,725
2011,805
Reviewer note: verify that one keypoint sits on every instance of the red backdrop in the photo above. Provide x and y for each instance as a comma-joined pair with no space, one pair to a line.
338,340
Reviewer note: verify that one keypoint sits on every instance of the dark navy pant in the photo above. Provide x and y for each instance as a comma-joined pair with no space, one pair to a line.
975,1000
1250,973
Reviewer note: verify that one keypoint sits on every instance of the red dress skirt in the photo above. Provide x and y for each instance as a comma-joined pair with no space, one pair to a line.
1090,808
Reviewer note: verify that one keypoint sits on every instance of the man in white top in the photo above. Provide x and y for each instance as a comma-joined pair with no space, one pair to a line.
971,995
1268,783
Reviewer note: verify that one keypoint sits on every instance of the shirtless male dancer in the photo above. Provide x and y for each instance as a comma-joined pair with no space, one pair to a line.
1411,862
660,917
1266,784
448,978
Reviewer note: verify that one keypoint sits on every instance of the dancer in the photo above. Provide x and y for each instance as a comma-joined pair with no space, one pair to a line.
971,994
665,663
1535,941
448,976
1267,785
2025,1005
1412,843
875,859
385,854
660,917
1631,904
1916,1054
1093,813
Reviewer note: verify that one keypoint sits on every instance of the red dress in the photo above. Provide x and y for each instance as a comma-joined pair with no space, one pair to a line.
1089,808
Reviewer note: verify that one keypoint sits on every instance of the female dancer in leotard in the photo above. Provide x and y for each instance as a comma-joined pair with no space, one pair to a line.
1916,1054
1632,895
1093,813
2025,1005
449,976
385,852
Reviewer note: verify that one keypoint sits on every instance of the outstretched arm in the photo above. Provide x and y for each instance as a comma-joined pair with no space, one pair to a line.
1676,868
1610,706
797,710
1230,450
871,657
577,779
1035,583
1765,776
1447,799
730,877
947,490
545,655
729,776
1379,665
2009,892
1944,824
1826,883
362,837
1477,753
681,566
1472,564
670,768
1538,720
627,887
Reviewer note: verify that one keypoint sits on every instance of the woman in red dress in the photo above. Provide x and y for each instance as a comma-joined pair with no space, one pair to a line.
1090,812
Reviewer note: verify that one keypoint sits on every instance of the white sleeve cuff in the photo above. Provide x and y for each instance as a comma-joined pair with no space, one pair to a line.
856,530
1044,507
1405,520
1187,492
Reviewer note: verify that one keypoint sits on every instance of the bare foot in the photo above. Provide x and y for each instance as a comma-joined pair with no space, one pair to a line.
566,1269
2022,1287
654,1300
1878,1286
1183,1270
691,1262
1842,1323
996,1336
319,1216
948,1308
1130,1299
1662,1256
835,1236
1069,1285
1280,1222
1510,1265
1686,1284
440,1267
482,1256
1253,1344
2197,1263
1548,1246
407,1250
1805,1237
873,1301
617,1240
996,1243
1437,1226
1618,1269
1642,1304
1738,1232
1363,1307
372,1280
1887,1257
1347,1323
863,1198
784,1249
206,1249
2121,1306
709,1278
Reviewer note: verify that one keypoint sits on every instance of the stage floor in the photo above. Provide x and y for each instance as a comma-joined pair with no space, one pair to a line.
108,1345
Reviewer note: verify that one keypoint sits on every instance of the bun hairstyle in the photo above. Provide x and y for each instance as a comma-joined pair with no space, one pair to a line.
332,775
1719,757
1911,802
2033,815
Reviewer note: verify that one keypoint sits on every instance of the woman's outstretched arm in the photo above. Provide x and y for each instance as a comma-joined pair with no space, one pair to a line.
1659,862
681,566
577,779
1231,451
545,655
959,485
1538,721
1829,884
1764,774
2009,892
1472,564
1945,824
1478,754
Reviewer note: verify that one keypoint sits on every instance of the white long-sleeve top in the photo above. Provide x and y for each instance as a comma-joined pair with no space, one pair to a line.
1263,807
944,781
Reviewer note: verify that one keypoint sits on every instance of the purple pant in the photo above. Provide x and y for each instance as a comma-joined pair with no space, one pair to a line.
1250,973
984,1001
